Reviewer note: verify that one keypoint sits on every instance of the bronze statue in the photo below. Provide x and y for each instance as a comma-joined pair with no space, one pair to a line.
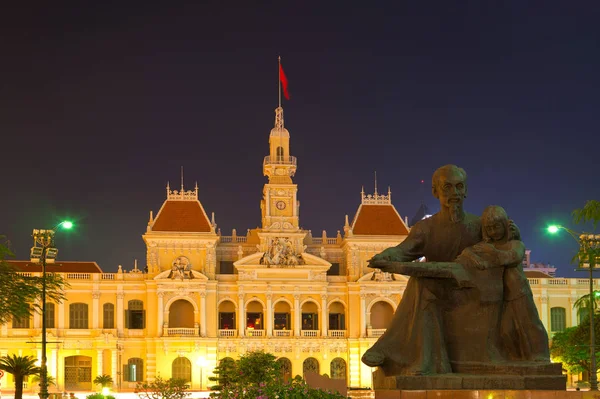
468,308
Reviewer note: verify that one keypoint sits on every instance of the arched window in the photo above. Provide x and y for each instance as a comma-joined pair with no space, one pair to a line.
181,314
279,154
381,315
108,315
133,370
338,369
78,316
181,369
583,314
558,319
135,317
285,368
21,322
50,315
310,365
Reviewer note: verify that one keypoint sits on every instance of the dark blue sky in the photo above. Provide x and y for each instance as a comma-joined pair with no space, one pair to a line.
100,106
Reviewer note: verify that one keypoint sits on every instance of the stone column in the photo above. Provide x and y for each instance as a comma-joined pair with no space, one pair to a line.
160,313
120,314
545,312
324,318
99,364
363,315
242,317
574,320
269,324
297,314
60,320
203,314
114,367
51,365
37,320
95,309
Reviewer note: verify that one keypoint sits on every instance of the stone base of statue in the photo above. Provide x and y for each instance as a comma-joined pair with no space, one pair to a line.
510,376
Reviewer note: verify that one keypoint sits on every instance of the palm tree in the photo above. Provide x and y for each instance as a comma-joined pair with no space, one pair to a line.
103,380
20,367
49,379
582,305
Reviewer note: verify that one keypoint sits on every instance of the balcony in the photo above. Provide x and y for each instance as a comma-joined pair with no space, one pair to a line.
375,332
309,333
282,333
251,332
227,333
337,333
279,160
181,332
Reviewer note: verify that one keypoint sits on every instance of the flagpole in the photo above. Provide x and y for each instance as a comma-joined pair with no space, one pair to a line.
279,80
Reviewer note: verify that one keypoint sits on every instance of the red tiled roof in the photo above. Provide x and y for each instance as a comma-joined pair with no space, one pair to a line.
536,274
184,216
378,220
57,267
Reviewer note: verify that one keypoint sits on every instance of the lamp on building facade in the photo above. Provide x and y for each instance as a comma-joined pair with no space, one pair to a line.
43,252
588,257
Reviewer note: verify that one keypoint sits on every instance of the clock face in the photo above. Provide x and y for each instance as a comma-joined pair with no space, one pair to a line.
280,205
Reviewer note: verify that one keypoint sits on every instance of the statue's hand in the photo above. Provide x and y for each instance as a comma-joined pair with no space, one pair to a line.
388,255
482,248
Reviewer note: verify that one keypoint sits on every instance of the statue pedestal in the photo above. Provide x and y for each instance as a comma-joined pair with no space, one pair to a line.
479,376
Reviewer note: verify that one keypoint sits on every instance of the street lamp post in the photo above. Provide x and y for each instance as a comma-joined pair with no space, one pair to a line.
43,252
589,253
201,362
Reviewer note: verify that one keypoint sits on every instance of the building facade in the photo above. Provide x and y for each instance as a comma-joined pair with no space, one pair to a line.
203,296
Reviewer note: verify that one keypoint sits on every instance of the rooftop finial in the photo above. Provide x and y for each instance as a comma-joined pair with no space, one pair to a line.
375,182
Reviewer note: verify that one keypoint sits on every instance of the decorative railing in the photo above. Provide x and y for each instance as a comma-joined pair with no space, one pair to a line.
337,333
279,160
181,332
108,276
309,333
79,276
251,332
375,332
328,240
282,333
558,281
227,333
234,239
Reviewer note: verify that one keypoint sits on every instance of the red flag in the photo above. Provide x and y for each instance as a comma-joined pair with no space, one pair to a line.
284,82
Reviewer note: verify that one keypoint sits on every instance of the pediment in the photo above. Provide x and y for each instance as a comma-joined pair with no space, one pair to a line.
313,269
380,276
197,276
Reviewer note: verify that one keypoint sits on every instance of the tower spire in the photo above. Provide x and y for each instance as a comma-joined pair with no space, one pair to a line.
375,182
279,79
182,179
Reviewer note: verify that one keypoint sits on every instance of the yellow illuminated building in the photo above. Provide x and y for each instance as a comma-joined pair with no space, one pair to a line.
202,296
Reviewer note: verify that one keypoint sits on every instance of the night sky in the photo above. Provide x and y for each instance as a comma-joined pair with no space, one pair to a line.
101,104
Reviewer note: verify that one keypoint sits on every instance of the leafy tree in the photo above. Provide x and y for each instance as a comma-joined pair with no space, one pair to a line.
103,380
571,346
257,375
20,367
20,294
225,374
162,389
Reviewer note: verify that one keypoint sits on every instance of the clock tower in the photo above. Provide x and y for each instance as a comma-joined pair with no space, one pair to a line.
279,206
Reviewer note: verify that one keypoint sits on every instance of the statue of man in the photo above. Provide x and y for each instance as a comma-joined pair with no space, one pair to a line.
415,343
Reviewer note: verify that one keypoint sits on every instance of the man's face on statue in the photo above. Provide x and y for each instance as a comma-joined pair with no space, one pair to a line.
451,190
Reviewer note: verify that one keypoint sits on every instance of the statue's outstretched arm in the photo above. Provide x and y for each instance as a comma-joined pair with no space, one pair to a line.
408,250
